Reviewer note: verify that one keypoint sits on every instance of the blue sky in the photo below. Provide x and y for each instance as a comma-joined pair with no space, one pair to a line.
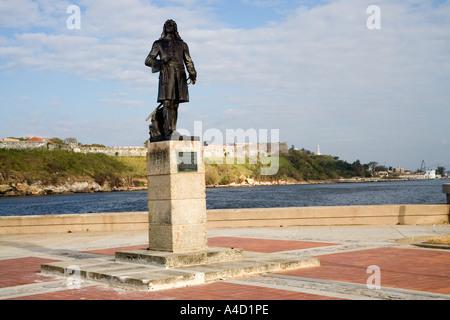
311,69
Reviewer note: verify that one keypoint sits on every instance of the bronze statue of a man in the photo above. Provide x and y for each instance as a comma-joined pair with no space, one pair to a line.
173,55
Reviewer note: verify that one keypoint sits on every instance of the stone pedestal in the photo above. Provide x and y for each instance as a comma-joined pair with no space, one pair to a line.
176,196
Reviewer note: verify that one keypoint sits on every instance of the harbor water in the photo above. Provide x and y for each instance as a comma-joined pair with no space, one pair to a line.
304,195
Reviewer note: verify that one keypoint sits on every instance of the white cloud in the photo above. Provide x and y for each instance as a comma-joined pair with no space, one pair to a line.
17,13
26,14
122,103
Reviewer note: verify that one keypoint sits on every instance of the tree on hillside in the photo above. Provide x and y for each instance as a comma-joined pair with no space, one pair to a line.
372,165
70,140
57,140
382,168
360,170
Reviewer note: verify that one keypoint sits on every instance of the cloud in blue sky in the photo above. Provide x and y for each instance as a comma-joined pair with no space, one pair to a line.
309,68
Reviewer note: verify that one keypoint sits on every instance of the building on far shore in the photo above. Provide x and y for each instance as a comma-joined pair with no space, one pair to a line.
37,139
429,174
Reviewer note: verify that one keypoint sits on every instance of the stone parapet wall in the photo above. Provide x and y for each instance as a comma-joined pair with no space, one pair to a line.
234,218
446,190
406,214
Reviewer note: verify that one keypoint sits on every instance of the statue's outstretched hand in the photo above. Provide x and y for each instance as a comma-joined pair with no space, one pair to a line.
193,78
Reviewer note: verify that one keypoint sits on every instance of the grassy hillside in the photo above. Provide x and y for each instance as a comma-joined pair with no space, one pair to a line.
296,166
53,167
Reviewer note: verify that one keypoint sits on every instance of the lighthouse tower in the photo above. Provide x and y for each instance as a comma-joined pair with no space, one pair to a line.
318,150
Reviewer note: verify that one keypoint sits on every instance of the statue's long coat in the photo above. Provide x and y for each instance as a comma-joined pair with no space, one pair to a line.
173,57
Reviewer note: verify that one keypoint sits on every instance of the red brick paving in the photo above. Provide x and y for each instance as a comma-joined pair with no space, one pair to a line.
264,245
413,269
16,272
212,291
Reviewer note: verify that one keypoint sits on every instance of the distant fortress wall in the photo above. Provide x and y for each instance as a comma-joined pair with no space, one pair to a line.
110,151
210,150
114,151
244,149
23,145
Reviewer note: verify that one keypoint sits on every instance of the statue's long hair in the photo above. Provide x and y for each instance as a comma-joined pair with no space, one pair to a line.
170,21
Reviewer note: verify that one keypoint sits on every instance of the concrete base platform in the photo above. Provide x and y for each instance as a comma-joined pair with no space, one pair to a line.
179,259
148,275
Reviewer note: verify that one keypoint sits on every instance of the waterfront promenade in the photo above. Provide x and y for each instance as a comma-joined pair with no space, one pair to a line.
350,256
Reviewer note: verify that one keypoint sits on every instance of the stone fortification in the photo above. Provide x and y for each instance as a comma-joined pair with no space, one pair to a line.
114,151
110,151
23,145
244,149
210,150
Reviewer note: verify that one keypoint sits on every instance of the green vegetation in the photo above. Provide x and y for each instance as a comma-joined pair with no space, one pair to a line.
301,165
223,174
296,166
53,167
58,166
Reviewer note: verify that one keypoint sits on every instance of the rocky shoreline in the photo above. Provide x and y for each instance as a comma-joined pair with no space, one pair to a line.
15,189
38,189
248,182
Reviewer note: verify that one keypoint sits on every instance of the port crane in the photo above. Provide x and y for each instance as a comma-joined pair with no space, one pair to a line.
423,167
